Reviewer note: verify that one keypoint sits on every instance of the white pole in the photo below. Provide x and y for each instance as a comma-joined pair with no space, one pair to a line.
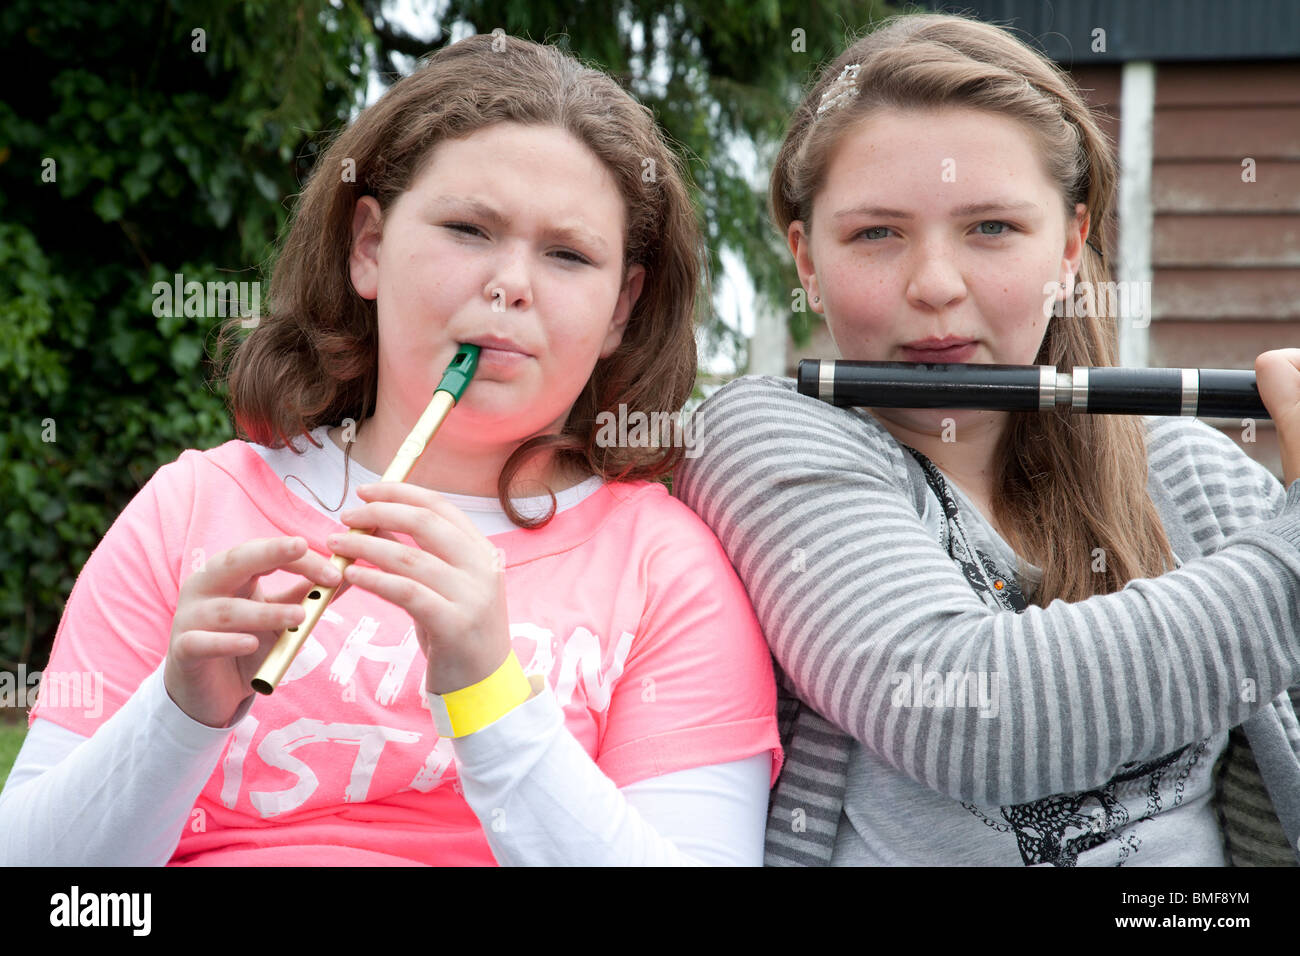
767,346
1136,215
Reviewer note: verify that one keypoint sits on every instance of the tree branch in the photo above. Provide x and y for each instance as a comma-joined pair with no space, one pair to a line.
396,42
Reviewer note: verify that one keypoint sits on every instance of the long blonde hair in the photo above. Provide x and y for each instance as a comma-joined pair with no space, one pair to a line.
1063,486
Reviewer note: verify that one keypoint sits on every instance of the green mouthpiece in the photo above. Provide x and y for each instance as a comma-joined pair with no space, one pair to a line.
459,372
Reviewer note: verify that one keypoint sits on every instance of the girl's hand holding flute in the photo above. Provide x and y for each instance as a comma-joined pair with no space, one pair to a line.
1277,375
452,582
225,625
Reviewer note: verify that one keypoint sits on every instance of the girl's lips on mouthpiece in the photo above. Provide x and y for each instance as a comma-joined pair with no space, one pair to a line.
954,354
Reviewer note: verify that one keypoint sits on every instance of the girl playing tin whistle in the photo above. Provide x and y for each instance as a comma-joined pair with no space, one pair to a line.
539,656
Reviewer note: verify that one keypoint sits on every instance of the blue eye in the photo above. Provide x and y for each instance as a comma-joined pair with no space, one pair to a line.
463,227
873,229
574,257
995,222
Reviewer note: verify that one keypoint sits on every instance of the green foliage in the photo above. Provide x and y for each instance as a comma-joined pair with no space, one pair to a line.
11,741
127,155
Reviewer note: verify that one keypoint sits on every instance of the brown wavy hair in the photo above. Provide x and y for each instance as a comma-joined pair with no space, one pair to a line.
1056,505
312,359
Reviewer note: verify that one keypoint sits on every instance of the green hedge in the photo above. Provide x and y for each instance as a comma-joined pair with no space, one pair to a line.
11,741
134,149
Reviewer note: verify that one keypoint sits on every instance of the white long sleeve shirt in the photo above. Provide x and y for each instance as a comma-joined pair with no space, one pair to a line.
123,796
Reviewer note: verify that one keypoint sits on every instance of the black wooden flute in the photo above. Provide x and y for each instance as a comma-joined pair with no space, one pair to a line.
1106,390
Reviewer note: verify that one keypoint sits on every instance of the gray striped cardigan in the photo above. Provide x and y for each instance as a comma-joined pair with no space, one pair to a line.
810,501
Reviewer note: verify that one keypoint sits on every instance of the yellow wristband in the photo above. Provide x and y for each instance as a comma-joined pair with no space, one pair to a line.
474,707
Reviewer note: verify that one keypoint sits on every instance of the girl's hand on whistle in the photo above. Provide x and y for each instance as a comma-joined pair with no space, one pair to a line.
452,582
1277,375
225,625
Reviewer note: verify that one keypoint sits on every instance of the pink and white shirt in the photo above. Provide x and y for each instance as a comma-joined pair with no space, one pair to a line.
625,602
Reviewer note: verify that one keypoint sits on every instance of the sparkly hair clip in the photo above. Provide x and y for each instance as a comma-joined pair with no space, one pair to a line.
844,88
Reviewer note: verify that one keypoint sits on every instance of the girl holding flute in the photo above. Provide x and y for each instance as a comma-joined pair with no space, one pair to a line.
1003,638
610,695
